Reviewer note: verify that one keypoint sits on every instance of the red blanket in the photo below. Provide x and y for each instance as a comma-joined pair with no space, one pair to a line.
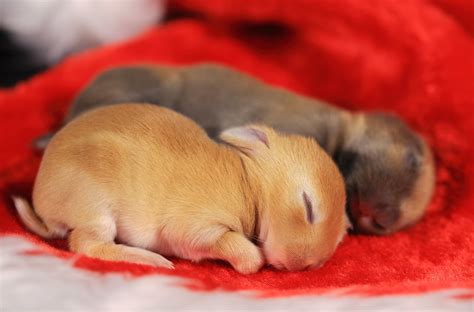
414,58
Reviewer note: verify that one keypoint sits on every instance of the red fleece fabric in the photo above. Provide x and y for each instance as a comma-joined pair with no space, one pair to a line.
413,58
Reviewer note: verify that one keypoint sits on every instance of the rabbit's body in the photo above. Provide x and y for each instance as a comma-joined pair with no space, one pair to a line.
153,180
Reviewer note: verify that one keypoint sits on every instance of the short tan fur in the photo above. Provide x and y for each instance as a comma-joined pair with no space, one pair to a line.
136,182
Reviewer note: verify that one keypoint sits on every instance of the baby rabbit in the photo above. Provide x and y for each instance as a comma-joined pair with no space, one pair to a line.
137,182
388,168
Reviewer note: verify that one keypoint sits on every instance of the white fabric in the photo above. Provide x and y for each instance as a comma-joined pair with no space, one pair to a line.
56,28
46,283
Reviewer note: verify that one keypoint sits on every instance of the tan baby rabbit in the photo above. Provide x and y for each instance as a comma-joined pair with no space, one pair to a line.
133,182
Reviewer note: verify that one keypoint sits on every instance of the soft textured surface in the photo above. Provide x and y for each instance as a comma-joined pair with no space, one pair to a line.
78,290
414,58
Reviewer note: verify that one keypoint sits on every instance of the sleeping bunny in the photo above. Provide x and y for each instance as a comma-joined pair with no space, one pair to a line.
137,182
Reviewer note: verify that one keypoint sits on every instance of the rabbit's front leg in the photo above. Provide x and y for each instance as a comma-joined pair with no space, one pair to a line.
241,253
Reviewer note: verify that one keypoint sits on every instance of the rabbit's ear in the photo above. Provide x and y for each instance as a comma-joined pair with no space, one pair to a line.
248,139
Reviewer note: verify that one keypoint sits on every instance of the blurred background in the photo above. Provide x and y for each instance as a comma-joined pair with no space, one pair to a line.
36,34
